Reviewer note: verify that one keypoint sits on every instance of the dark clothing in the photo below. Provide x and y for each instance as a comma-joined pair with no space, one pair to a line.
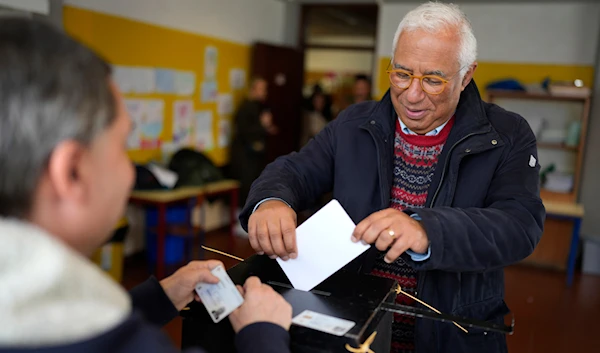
248,146
141,331
483,210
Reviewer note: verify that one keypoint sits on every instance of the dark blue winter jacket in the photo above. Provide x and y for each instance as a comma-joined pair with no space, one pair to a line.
483,210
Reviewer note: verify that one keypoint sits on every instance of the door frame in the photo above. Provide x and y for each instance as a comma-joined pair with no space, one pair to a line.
303,46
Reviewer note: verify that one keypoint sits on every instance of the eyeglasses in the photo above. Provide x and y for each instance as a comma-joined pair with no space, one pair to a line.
431,84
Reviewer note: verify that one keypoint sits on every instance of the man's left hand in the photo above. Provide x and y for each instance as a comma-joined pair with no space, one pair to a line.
180,286
392,229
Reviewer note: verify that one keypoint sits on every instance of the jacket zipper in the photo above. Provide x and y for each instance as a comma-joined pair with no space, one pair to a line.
379,170
421,274
446,165
379,167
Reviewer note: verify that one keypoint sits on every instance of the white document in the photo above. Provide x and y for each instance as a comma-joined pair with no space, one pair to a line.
324,247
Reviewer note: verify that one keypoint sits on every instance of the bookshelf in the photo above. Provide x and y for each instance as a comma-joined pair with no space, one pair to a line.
499,97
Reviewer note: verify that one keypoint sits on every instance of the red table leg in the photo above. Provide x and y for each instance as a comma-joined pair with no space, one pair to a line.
233,206
161,234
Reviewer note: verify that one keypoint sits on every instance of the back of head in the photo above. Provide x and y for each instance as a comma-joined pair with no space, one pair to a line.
52,89
434,17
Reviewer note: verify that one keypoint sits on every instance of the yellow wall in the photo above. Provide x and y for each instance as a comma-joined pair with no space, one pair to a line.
126,42
526,73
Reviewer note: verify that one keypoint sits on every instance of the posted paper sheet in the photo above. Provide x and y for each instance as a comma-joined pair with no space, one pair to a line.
324,247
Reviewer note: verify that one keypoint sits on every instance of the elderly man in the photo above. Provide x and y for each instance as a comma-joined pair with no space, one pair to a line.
443,185
64,182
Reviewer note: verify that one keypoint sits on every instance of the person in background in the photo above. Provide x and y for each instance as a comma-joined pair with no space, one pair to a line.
253,122
64,182
317,115
444,186
361,91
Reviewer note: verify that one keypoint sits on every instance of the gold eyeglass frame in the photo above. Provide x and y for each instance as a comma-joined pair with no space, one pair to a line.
444,81
391,72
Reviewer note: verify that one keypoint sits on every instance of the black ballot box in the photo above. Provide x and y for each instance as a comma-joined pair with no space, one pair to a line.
346,295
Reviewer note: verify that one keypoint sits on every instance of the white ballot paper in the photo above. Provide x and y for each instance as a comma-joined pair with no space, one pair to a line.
324,247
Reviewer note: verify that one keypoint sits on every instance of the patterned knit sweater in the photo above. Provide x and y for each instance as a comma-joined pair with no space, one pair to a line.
416,157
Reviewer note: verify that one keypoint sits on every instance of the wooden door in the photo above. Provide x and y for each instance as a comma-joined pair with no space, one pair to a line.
282,67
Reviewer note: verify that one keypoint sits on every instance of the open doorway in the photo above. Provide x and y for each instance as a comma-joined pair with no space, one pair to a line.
339,43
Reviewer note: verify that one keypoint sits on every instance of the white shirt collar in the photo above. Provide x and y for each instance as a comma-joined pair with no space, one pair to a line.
433,132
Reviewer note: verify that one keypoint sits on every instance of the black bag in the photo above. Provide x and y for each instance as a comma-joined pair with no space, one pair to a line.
145,180
194,168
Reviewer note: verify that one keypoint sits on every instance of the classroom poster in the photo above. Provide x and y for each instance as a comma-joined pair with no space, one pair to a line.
142,80
204,130
121,76
210,63
152,123
165,80
135,108
224,104
147,117
237,78
224,133
209,92
185,83
183,116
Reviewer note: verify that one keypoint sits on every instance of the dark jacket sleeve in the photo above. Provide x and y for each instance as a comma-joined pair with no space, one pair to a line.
298,178
151,301
262,337
505,231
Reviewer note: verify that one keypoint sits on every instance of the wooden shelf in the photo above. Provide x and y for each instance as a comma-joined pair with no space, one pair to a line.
557,146
531,95
552,196
553,249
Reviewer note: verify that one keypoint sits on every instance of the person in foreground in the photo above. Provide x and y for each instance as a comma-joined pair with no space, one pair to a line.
64,182
443,185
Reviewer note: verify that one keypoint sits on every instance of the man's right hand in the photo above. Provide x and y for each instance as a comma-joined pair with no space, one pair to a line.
272,230
261,304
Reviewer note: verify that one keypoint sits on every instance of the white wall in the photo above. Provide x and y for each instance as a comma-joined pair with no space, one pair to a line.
590,187
242,21
38,6
555,33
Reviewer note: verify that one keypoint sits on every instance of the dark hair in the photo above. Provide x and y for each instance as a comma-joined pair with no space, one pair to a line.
327,103
362,77
52,89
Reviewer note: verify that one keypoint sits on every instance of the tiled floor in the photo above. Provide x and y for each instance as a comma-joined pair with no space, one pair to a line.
549,317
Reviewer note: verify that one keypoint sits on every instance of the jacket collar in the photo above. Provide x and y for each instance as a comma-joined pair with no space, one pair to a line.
470,116
50,294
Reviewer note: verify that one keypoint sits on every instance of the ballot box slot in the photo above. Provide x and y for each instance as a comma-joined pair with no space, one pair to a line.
288,286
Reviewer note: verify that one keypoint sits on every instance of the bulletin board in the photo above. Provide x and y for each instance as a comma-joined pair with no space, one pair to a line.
160,70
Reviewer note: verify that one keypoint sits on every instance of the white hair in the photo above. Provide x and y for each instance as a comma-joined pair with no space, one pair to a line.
434,17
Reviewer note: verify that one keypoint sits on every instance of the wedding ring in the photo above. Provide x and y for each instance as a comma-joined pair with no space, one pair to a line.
391,233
